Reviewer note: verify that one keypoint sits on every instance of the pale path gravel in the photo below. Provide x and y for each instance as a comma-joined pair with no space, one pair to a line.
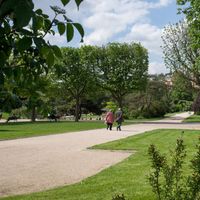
39,163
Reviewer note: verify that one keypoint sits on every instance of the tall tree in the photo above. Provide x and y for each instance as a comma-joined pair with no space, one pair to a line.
22,39
22,29
178,53
122,68
75,74
191,8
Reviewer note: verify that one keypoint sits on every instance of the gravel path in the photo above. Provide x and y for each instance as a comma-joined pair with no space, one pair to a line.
39,163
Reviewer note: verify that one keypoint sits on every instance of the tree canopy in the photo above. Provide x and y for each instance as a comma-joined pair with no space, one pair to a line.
22,32
122,69
191,9
75,74
178,52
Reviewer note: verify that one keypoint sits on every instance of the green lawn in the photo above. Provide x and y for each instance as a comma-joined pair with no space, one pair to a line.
27,129
128,177
193,118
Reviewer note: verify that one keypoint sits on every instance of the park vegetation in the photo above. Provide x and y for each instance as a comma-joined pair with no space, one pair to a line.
37,78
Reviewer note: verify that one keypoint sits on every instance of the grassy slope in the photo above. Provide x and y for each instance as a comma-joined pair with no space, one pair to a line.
128,177
193,118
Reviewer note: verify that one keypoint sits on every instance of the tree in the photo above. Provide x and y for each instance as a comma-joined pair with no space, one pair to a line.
182,92
75,75
33,93
122,68
156,98
23,48
182,89
22,29
179,56
191,8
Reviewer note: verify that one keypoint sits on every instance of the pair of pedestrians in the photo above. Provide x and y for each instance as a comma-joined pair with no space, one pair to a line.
110,119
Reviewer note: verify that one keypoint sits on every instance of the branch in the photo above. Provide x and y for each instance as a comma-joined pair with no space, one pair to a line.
50,26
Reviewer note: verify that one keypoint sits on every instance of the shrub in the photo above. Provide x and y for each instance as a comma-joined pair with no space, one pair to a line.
168,181
155,109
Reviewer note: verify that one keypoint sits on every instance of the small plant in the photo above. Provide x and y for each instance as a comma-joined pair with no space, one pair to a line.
119,197
168,181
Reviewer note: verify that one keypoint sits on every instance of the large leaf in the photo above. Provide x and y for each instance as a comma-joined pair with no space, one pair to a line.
70,32
38,11
65,2
23,13
78,2
50,58
57,51
79,29
7,7
61,28
45,51
39,42
38,22
24,44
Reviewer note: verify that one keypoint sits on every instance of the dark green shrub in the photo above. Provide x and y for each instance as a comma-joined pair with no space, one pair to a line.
155,109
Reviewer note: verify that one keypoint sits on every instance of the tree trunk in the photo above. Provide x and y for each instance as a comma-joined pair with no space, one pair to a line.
77,109
120,102
196,105
119,99
33,114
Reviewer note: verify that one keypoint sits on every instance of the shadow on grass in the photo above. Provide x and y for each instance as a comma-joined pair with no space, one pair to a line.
7,130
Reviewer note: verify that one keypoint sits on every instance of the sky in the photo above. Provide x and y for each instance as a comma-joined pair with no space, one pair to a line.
128,21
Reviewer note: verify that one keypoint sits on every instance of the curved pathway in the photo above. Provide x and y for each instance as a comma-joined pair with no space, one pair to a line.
39,163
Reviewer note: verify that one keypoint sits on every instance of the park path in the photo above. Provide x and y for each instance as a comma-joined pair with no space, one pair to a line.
40,163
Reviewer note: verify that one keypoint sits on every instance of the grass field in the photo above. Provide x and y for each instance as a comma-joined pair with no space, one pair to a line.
27,129
129,176
193,118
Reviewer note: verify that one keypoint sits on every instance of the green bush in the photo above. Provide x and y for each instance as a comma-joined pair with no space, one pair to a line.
182,105
155,109
168,181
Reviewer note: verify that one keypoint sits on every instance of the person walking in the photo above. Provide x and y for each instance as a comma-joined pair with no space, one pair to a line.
109,119
119,118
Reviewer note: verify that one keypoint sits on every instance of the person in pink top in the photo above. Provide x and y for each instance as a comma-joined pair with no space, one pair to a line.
109,120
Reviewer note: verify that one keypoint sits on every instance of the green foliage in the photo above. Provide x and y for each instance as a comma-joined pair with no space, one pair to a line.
122,68
167,180
153,102
191,9
154,109
110,105
182,92
19,42
75,74
119,197
182,105
179,56
9,101
182,88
